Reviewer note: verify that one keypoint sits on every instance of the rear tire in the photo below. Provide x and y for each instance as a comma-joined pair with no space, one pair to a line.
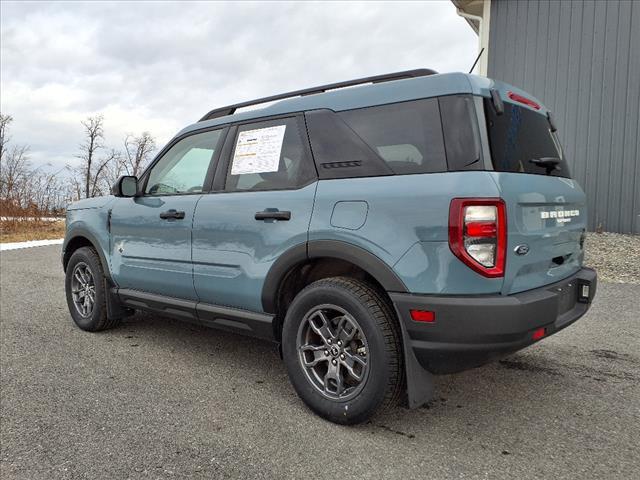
85,287
341,346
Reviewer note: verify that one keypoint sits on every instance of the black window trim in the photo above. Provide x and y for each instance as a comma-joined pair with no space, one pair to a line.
224,163
213,161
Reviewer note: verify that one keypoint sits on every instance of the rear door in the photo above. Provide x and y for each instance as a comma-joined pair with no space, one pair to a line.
262,206
546,209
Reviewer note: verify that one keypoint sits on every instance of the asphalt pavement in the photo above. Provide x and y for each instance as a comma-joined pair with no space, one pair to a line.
156,398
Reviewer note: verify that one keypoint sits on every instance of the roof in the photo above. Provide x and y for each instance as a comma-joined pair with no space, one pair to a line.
370,95
354,97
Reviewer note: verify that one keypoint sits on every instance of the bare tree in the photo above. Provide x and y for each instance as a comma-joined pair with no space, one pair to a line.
74,183
97,167
14,169
5,120
94,137
138,151
27,192
100,184
114,170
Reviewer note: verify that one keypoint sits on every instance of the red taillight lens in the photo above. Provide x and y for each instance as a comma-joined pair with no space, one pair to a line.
481,229
524,100
478,234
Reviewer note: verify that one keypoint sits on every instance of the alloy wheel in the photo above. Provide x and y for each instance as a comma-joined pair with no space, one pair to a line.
333,352
83,289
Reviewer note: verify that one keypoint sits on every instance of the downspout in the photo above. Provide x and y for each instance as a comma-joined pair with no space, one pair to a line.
483,33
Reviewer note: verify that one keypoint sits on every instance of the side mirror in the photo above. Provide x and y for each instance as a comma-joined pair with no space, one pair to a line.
125,186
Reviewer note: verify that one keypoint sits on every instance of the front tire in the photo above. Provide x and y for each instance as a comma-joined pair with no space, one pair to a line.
341,346
86,291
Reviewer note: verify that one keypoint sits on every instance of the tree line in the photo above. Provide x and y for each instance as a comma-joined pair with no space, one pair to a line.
33,191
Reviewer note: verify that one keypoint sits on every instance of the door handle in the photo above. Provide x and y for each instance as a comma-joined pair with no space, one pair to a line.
273,215
172,214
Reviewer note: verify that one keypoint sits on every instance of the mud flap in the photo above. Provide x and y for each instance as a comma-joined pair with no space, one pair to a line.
115,309
420,388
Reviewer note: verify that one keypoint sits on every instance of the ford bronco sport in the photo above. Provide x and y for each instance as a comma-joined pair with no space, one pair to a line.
415,224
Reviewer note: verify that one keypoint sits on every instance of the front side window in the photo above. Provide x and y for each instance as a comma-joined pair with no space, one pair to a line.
269,156
183,168
408,136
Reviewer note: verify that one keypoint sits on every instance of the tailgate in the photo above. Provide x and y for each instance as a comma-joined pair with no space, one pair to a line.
546,218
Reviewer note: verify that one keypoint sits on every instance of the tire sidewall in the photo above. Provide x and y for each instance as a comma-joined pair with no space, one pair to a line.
373,393
86,255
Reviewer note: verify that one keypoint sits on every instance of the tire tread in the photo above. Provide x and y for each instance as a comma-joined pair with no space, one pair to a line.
104,322
385,318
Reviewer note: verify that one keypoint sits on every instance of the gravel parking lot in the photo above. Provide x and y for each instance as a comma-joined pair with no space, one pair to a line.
156,398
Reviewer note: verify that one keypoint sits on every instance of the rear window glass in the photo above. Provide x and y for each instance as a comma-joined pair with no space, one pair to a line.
519,138
408,136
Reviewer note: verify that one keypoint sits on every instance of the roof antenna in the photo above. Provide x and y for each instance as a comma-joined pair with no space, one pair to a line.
477,58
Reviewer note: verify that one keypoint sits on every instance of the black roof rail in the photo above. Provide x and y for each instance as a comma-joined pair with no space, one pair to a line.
230,110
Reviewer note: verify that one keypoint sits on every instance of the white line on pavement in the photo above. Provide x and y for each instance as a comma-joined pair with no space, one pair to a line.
30,243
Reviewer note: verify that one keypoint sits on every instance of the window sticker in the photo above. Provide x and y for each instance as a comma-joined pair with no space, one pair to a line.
258,151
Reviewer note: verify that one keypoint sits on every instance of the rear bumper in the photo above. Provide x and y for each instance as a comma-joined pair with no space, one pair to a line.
469,331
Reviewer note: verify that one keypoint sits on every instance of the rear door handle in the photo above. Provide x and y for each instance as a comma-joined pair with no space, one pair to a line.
172,214
273,215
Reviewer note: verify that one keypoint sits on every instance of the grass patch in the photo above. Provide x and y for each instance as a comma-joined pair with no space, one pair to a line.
21,231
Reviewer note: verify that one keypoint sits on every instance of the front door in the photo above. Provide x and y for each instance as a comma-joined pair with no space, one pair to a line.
262,209
151,233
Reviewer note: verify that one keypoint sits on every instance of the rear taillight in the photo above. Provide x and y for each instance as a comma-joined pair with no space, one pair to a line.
478,234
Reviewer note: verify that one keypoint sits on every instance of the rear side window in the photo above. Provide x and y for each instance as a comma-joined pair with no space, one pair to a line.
407,136
269,155
460,130
520,137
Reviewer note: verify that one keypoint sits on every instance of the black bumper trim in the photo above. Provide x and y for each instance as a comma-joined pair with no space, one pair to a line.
471,330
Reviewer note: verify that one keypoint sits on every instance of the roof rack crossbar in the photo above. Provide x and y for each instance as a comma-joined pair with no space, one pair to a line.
231,109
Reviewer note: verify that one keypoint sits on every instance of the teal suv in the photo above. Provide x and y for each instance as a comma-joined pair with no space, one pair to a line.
413,224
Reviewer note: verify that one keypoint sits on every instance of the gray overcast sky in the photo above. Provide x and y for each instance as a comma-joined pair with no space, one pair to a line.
160,66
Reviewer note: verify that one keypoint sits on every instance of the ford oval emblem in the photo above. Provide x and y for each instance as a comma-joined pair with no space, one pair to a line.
521,249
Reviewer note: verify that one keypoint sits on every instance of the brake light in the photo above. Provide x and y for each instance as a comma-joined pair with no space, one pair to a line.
478,234
524,100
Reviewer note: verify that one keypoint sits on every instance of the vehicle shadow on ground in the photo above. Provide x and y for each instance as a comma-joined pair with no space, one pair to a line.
536,381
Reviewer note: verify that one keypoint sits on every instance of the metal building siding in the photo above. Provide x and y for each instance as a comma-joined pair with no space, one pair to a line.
582,59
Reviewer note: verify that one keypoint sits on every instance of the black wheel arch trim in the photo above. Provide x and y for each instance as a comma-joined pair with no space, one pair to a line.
78,232
341,250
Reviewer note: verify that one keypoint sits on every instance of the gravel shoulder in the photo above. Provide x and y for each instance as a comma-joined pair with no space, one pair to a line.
615,257
161,399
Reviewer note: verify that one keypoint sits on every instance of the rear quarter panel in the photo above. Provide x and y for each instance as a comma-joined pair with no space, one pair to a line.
405,224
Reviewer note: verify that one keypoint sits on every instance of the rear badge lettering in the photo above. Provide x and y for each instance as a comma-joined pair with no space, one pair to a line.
561,216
